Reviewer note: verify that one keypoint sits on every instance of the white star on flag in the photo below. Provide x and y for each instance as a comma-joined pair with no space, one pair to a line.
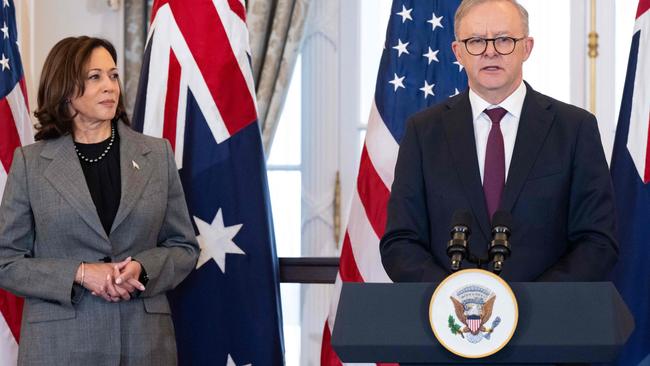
216,241
432,55
5,30
456,92
5,3
435,22
460,67
397,82
427,89
401,47
4,62
230,362
405,14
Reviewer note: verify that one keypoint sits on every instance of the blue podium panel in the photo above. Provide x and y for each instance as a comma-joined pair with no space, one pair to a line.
581,322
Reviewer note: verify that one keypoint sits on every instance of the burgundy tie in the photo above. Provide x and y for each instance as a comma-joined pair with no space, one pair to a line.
494,172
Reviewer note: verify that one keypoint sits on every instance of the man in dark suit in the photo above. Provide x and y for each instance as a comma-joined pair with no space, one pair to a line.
501,146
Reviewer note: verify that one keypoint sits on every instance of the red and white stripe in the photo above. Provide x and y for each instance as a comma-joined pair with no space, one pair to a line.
360,259
15,130
638,139
184,63
474,324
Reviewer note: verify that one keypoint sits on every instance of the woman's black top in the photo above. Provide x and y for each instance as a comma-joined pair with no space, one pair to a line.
103,178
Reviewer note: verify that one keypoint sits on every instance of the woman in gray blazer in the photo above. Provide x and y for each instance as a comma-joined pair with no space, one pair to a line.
94,228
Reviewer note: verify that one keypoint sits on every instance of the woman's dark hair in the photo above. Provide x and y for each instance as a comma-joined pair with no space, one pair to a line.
64,73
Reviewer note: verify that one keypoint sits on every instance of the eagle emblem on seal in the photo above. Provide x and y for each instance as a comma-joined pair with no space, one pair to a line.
473,305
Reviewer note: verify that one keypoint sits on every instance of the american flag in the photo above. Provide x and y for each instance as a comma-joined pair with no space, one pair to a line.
196,90
417,69
631,176
15,130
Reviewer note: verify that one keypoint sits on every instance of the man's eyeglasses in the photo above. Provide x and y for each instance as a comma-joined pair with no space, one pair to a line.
476,46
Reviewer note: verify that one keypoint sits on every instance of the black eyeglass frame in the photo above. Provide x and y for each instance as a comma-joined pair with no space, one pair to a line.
493,40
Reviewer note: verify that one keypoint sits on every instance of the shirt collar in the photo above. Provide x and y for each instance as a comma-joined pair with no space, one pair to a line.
513,103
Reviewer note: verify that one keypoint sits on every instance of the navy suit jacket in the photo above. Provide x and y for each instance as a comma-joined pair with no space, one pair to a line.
558,191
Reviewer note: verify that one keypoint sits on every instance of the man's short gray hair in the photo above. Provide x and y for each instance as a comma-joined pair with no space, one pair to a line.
466,5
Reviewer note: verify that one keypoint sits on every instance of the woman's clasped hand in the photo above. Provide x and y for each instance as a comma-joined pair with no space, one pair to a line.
113,282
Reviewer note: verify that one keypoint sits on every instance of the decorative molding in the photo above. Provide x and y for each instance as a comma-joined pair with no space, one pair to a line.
323,23
337,209
605,75
605,62
593,55
320,157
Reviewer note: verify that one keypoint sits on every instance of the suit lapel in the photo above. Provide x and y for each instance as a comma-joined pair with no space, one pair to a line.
459,129
534,124
65,174
135,171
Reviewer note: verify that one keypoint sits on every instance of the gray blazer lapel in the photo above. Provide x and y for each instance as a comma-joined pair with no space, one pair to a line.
65,174
534,124
135,171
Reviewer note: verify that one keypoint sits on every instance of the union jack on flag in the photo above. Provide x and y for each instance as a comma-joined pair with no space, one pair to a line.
417,69
15,130
196,89
631,177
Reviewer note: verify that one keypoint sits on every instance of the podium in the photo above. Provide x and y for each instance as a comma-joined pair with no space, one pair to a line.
572,322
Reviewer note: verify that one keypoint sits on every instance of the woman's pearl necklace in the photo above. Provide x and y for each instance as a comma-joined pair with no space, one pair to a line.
108,148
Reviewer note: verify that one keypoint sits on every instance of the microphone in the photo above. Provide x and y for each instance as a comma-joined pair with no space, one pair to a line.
500,246
457,247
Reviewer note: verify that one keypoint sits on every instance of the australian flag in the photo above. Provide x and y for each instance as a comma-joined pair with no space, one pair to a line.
631,175
196,90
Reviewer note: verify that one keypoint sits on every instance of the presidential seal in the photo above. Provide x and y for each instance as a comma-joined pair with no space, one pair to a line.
473,313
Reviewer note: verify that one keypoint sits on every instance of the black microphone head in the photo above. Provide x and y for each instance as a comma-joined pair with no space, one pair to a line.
461,218
502,218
